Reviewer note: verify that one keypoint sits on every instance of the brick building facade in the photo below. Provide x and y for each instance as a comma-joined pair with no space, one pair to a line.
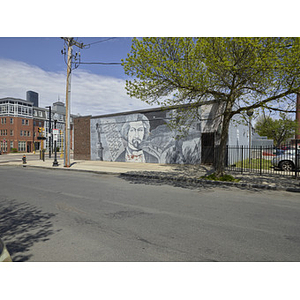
21,119
82,138
18,133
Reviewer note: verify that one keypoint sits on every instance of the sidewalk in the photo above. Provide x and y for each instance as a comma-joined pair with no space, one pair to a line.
92,166
188,175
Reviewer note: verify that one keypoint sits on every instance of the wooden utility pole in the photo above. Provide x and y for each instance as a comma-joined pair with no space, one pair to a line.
71,42
68,96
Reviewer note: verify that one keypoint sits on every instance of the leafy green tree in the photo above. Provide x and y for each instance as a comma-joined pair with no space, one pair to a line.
241,74
277,129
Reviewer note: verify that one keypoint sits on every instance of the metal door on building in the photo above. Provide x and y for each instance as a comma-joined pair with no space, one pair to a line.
207,148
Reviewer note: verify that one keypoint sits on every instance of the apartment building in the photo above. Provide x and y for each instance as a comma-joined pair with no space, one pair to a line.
24,126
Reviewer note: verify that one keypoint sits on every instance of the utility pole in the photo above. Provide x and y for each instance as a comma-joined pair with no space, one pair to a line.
71,42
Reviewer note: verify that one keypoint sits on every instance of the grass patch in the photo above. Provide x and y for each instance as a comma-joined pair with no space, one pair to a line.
225,177
254,164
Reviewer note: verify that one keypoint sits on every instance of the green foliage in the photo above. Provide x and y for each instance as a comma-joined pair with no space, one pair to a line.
225,177
278,130
14,150
186,70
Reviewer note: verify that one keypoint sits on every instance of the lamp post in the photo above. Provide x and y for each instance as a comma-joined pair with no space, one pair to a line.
55,163
49,131
250,114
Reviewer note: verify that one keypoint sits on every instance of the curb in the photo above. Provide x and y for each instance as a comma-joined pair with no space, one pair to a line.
212,182
70,169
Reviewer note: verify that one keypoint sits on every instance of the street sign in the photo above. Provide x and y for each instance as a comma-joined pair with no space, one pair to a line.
55,133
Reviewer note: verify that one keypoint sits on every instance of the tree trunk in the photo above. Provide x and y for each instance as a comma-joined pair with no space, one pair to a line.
220,161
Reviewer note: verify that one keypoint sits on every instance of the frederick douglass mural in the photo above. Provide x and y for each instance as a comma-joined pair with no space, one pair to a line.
135,130
142,137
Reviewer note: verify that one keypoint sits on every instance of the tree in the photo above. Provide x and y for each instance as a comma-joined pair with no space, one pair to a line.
241,74
277,129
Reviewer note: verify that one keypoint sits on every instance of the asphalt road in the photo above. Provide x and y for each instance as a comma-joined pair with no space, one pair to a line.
53,215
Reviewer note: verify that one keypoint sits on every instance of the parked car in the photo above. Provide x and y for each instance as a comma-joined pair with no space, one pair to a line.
4,254
286,161
278,151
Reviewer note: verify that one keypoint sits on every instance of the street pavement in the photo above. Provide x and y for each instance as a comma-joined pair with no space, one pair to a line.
62,216
186,174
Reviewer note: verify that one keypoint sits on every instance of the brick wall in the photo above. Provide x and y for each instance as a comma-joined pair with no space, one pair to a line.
14,130
82,147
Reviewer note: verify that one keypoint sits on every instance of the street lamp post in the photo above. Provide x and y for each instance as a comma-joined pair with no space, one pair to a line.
49,131
55,163
250,114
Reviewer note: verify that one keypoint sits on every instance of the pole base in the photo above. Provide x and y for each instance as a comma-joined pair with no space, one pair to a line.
55,164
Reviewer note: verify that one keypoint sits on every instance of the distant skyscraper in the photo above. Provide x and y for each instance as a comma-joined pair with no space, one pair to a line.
33,97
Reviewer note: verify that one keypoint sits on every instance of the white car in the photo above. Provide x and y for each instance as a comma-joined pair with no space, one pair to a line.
4,254
286,161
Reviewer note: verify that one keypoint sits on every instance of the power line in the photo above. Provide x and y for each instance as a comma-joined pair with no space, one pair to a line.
101,41
98,63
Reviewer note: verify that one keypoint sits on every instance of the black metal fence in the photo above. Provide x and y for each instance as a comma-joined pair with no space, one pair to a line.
265,159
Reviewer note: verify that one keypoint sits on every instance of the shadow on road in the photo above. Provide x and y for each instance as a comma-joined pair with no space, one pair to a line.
23,225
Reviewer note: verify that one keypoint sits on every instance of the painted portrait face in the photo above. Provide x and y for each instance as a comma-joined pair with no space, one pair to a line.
136,134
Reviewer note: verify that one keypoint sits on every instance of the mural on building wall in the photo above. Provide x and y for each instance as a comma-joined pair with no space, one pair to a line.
144,137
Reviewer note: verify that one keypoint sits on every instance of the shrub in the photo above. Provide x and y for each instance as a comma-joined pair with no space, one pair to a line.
225,177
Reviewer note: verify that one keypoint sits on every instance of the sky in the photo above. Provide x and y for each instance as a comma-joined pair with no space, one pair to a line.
37,64
30,43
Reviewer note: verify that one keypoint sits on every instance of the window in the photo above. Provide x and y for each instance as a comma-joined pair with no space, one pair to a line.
25,133
3,146
11,144
4,108
11,132
11,121
21,146
23,122
21,133
26,122
3,120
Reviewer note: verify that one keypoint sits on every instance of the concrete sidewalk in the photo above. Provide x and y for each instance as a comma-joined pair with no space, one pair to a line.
186,174
93,166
